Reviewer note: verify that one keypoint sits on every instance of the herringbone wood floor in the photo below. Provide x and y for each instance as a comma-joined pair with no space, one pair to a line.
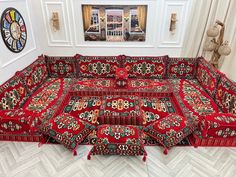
27,160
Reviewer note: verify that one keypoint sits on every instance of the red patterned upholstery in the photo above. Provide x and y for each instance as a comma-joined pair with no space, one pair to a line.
219,125
13,93
35,74
193,97
67,130
170,130
182,68
226,95
118,140
146,67
85,108
18,121
97,66
49,98
208,76
61,66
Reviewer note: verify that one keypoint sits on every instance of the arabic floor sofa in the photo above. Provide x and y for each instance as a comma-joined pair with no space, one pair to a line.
119,103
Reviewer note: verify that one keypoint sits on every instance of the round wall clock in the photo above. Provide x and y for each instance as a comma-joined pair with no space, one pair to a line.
13,30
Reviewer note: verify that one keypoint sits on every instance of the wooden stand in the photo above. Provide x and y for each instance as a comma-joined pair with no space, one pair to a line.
216,56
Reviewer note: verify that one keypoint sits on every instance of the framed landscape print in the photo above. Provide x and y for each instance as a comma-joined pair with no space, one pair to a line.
114,22
13,30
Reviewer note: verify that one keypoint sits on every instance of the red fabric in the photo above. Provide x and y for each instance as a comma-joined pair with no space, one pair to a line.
118,134
118,140
196,99
146,67
50,95
67,130
226,95
13,93
208,76
18,121
61,66
220,125
170,130
35,74
97,66
84,108
121,73
181,68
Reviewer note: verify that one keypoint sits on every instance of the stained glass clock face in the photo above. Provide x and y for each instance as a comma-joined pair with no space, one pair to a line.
13,30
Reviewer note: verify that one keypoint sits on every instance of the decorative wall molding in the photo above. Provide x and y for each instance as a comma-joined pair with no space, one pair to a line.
62,37
181,9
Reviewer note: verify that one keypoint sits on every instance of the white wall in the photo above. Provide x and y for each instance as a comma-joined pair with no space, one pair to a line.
11,62
159,41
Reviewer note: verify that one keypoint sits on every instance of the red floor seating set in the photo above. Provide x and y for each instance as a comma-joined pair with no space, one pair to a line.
119,103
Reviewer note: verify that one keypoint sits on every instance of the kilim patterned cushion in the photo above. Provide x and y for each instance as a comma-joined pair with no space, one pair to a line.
35,74
193,97
18,121
13,93
226,95
67,130
153,109
208,76
61,66
170,130
181,68
220,125
146,67
48,99
84,108
118,140
97,66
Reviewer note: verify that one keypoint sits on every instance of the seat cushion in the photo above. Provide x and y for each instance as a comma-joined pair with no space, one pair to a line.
208,76
156,108
18,121
220,125
182,68
146,67
61,66
192,96
85,108
49,98
97,66
35,74
67,130
226,95
13,93
118,140
170,130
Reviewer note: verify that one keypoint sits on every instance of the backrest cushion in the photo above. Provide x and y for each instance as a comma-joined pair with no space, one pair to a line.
35,74
226,95
146,67
13,93
61,66
207,76
181,68
97,66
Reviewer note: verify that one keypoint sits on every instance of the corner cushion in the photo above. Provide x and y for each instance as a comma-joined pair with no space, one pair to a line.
61,66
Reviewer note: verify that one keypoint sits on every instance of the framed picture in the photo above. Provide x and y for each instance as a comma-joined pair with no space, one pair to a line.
114,22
